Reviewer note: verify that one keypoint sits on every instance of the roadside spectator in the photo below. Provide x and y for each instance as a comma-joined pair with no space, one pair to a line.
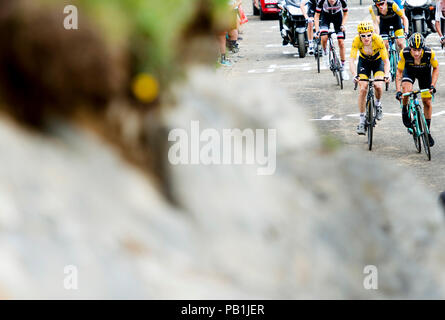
440,19
222,48
232,43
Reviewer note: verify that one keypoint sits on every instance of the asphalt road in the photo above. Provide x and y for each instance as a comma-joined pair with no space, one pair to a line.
334,111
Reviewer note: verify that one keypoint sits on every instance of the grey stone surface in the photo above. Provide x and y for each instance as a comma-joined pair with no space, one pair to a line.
307,231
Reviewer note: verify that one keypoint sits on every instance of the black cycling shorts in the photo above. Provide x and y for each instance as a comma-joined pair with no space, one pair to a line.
423,76
384,25
336,19
365,67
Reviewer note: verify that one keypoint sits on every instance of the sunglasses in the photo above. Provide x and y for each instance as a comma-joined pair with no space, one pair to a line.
366,35
380,4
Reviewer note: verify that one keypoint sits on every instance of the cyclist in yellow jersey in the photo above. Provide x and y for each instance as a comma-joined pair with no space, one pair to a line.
373,57
386,13
416,62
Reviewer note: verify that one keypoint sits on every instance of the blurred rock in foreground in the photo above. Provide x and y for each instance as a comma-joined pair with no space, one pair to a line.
307,231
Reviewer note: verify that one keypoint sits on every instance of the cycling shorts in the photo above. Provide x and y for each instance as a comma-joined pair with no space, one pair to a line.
310,11
396,22
423,76
366,66
336,19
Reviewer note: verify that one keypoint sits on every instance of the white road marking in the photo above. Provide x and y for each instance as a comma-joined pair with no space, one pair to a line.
357,115
438,113
327,118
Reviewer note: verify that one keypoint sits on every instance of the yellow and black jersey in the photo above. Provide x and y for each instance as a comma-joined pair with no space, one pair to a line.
378,48
427,60
393,10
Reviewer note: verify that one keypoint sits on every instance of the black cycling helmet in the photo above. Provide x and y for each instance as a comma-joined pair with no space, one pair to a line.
378,1
416,41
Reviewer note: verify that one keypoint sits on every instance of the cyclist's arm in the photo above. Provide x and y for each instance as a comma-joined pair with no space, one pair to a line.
318,10
385,57
345,12
316,21
438,18
386,67
353,58
405,23
401,14
400,68
375,20
435,65
345,18
303,3
438,28
352,66
435,76
399,76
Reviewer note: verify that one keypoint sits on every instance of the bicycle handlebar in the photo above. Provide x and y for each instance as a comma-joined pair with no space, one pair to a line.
370,80
415,92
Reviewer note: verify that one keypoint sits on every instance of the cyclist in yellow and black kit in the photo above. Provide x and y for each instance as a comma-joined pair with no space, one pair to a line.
386,13
373,57
416,62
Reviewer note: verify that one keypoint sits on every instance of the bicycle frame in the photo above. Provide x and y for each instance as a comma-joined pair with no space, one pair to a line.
413,102
333,59
393,53
371,109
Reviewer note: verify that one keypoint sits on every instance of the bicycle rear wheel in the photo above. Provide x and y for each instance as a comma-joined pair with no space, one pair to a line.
425,138
393,64
417,142
370,121
340,74
318,54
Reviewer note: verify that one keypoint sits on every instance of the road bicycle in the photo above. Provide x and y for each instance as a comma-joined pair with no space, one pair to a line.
394,56
371,109
318,52
419,129
334,62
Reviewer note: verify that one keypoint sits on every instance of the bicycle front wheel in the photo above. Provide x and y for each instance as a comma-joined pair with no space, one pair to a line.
417,142
370,121
424,134
318,54
393,58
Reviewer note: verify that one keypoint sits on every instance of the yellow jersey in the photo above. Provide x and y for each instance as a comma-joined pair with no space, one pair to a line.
428,59
378,48
393,10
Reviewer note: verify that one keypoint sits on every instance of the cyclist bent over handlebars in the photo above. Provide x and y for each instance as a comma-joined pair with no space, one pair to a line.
335,12
373,57
416,62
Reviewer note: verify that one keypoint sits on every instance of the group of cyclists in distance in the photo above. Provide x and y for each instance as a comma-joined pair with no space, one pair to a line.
416,61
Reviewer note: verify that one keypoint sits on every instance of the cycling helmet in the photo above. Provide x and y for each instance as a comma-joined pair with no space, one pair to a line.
365,27
416,41
379,1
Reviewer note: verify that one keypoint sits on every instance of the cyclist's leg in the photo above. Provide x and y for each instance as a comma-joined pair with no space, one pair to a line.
310,24
362,105
324,29
425,83
364,72
407,86
384,32
378,68
337,20
379,73
310,29
399,32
